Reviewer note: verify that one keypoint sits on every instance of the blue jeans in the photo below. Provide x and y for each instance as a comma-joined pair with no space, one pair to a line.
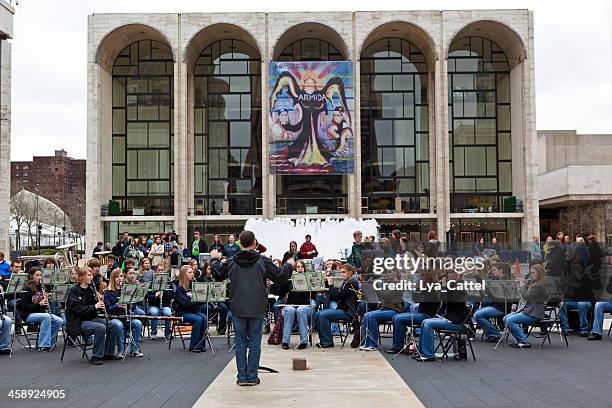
49,327
401,321
105,336
426,341
582,308
154,311
5,333
513,322
199,323
247,334
136,334
275,308
369,325
322,321
482,317
600,309
335,327
303,313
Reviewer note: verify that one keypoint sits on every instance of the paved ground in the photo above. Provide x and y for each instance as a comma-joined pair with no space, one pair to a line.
554,376
339,378
163,378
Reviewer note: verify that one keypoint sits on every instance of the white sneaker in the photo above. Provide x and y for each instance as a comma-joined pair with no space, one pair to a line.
367,348
137,354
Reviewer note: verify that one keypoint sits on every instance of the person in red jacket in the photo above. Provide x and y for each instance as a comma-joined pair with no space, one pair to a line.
308,250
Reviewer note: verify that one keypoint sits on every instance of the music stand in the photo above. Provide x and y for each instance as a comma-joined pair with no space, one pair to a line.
15,285
47,276
201,294
132,293
370,294
60,292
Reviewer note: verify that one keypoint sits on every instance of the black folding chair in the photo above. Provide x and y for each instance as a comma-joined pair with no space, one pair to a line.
175,328
448,337
75,341
26,330
547,325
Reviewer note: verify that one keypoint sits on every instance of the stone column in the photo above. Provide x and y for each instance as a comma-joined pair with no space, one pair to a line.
531,223
180,147
5,145
268,181
93,224
442,145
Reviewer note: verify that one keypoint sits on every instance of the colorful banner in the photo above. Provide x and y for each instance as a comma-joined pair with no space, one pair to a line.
311,117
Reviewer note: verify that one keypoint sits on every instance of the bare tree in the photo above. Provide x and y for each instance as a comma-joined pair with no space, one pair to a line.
582,218
19,213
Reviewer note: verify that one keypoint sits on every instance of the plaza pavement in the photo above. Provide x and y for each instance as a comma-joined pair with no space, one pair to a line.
555,376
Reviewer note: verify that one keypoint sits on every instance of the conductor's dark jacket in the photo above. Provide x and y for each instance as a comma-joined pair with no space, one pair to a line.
248,271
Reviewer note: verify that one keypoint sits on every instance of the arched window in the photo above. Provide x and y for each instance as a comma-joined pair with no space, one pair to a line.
479,128
227,103
312,194
142,129
394,127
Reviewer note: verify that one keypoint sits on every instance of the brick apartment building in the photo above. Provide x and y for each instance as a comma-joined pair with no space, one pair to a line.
58,178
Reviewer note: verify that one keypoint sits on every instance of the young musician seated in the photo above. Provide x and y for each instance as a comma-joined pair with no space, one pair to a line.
153,308
145,274
5,329
579,297
220,307
454,313
391,305
346,299
300,304
190,311
111,302
427,307
534,309
490,309
130,276
82,314
34,308
94,265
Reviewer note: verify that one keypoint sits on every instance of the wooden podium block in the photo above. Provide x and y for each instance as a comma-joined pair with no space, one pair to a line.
299,364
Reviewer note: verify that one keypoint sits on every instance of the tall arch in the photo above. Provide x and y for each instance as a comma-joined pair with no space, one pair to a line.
296,194
395,137
225,122
120,37
504,37
310,31
143,128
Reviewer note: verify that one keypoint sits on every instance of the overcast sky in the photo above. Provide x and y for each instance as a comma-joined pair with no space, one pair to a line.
573,46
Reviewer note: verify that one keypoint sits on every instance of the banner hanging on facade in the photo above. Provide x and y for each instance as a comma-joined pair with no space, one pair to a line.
311,118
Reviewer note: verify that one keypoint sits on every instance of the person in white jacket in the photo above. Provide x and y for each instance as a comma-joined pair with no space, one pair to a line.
157,250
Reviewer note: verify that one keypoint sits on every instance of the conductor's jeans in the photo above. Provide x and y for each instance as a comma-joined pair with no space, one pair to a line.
5,333
105,336
247,334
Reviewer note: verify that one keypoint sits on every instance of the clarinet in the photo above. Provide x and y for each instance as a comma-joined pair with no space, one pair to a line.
101,298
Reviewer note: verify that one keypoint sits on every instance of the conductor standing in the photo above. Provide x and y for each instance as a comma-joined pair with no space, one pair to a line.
248,271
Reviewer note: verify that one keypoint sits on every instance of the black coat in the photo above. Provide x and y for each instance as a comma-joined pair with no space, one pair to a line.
248,271
183,303
29,302
345,296
80,307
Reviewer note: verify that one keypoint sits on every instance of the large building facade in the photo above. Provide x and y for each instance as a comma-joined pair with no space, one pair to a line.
574,183
444,122
58,178
6,33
